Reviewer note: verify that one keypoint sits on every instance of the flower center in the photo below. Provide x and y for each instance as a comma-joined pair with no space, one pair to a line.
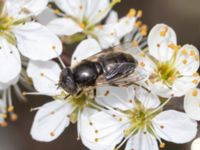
167,73
140,119
84,99
81,100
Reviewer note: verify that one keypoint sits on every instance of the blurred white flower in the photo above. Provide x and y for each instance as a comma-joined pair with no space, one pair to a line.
82,19
196,144
137,118
19,33
53,117
172,68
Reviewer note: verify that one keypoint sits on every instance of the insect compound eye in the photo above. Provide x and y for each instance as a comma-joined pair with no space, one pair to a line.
67,81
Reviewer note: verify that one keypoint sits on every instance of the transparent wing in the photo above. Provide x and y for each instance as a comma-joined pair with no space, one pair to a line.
137,76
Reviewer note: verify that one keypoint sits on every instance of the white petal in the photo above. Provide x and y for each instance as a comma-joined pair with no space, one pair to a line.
174,126
158,45
10,63
101,131
31,7
45,76
142,141
125,26
161,89
196,144
187,61
146,63
85,49
51,120
116,97
43,19
184,84
106,36
112,18
64,26
96,10
192,104
4,86
148,99
37,42
75,8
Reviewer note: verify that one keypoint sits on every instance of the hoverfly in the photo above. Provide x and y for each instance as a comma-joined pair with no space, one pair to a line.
113,66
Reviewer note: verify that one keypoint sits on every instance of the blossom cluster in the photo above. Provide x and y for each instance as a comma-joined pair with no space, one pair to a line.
136,115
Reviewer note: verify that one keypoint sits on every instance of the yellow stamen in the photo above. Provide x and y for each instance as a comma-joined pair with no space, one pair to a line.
194,93
10,108
164,32
195,81
96,140
196,57
184,61
142,64
139,14
138,24
4,116
82,25
57,11
4,124
135,43
184,52
162,145
14,117
52,133
196,74
192,53
131,13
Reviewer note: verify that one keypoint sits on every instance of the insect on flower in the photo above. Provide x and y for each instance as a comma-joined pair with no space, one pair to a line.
113,66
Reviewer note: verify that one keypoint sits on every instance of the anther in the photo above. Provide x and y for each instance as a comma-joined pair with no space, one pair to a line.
195,81
96,131
4,124
184,61
52,133
196,74
162,145
139,14
90,123
96,140
82,25
184,52
14,117
106,93
164,32
138,24
135,43
131,13
194,93
11,108
192,53
4,116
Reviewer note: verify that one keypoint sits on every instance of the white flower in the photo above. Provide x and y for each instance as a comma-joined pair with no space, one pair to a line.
6,92
172,68
137,118
192,104
82,18
53,117
19,34
196,144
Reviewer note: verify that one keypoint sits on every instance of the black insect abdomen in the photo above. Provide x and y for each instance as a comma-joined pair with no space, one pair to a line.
116,65
86,73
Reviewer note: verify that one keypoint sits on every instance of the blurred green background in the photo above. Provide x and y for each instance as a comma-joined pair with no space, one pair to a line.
182,15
